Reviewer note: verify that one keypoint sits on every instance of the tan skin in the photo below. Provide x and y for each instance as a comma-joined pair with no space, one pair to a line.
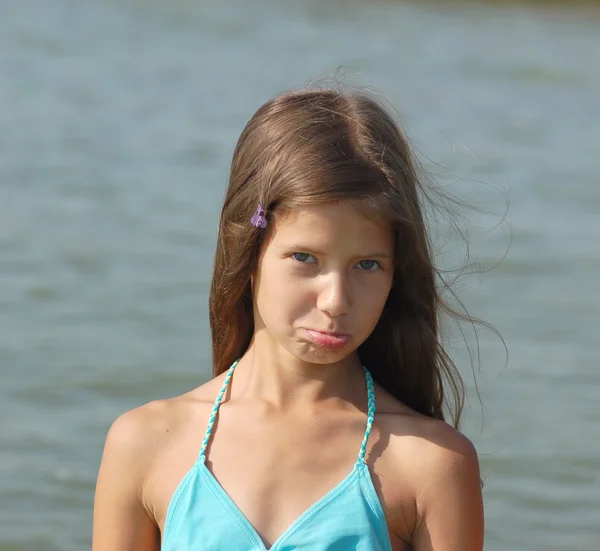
292,421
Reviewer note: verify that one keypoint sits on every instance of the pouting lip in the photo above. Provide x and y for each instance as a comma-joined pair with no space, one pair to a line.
332,341
328,333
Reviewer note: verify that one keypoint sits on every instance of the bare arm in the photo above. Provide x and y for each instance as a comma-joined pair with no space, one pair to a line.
121,521
451,503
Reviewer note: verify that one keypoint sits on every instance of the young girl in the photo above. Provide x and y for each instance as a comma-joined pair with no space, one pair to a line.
323,428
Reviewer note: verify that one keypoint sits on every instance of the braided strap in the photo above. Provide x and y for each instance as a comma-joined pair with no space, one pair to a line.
370,415
215,410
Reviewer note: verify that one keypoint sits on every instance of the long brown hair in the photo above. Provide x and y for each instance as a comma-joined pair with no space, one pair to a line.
320,145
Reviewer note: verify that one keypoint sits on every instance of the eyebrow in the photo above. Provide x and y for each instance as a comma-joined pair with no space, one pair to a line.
299,247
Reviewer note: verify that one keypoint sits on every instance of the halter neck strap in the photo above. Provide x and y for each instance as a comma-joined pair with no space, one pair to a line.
225,385
215,411
370,415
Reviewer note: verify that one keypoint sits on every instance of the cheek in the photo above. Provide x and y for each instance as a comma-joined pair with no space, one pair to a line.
280,298
369,303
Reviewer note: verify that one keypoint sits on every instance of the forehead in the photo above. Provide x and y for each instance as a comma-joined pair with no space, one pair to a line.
332,222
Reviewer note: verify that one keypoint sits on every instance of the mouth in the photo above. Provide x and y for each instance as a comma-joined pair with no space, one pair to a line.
326,339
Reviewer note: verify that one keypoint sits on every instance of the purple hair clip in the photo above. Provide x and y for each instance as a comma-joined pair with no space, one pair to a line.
259,220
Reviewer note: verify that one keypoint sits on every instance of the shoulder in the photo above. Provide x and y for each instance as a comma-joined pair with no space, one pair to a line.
444,486
430,446
137,431
138,436
125,513
134,441
443,458
436,443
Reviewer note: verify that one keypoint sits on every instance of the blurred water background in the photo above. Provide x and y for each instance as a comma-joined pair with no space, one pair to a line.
117,126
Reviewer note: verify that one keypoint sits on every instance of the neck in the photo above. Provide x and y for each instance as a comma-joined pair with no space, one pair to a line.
270,374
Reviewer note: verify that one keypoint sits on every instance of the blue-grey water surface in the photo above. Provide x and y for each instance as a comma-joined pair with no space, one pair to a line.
117,126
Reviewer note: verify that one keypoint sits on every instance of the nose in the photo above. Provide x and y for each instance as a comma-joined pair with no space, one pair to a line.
334,295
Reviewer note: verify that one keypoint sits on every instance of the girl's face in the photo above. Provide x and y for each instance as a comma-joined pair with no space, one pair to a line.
322,281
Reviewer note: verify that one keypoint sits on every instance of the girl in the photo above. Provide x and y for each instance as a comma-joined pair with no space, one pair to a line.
323,428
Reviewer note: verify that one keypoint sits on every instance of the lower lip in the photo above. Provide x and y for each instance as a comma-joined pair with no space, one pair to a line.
326,340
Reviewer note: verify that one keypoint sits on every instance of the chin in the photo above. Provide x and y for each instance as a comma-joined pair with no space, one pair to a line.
321,356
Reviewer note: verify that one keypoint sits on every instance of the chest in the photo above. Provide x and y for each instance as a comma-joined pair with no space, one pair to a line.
274,469
271,470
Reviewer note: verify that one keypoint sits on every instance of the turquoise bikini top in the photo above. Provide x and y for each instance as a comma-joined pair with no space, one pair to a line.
202,517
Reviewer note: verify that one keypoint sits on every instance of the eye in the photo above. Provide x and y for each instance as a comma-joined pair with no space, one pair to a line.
304,258
369,265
